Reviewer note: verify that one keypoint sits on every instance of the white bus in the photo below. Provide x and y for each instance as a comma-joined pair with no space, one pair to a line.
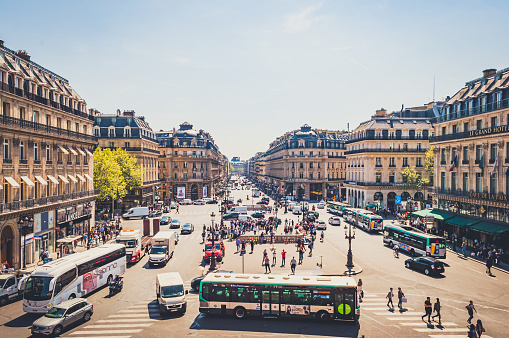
72,276
318,297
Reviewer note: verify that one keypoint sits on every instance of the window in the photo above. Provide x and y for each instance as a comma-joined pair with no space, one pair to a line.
176,177
301,175
391,177
405,146
194,175
6,149
48,153
465,126
310,153
419,146
405,161
478,153
311,176
443,156
378,162
21,150
465,182
479,124
453,181
392,162
36,152
478,182
418,162
444,130
493,152
465,155
301,165
64,280
493,184
442,180
391,146
311,164
454,128
301,153
378,177
493,122
127,144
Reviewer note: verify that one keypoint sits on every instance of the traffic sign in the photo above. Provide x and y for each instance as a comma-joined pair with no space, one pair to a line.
242,252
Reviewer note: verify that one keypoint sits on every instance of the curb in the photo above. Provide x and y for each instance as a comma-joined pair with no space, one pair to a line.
477,261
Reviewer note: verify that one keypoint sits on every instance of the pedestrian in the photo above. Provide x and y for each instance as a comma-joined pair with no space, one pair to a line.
489,264
237,242
470,308
310,249
264,256
464,249
267,264
479,328
177,208
274,255
436,308
401,295
293,263
301,255
471,331
252,246
389,296
359,288
283,257
428,309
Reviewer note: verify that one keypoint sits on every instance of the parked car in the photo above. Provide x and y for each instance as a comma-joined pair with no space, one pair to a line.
321,225
166,209
173,206
219,252
335,220
165,220
428,265
212,201
231,215
195,282
175,224
257,215
199,202
187,228
63,315
262,202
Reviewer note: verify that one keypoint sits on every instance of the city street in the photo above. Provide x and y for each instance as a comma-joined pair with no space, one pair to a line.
133,312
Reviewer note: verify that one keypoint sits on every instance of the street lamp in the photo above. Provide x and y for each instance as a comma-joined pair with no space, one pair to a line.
349,236
24,223
213,254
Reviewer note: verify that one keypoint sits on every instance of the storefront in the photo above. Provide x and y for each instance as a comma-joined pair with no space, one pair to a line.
44,224
73,220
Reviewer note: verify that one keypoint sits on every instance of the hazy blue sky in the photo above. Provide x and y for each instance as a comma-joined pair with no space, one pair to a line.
248,71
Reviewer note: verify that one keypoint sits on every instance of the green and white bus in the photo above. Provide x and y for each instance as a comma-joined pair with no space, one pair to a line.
415,242
337,208
370,221
279,296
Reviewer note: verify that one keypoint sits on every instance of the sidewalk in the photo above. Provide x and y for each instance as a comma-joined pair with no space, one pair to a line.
503,267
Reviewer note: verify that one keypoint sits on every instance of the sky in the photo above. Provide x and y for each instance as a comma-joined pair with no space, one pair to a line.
249,71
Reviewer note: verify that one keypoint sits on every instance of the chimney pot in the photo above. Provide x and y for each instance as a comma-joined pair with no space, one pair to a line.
489,72
381,112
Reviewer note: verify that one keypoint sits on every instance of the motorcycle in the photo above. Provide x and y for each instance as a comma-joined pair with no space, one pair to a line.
116,286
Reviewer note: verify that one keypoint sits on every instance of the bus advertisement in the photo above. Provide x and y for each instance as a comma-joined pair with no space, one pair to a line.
415,242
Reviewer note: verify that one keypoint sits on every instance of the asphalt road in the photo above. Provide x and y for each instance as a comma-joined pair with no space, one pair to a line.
133,312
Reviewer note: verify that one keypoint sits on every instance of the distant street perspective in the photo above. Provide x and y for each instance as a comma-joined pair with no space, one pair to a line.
254,185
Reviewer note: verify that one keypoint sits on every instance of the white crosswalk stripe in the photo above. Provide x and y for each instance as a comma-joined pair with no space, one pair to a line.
103,332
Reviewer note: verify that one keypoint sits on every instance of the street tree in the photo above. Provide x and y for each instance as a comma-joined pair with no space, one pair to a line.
429,162
107,174
413,181
131,172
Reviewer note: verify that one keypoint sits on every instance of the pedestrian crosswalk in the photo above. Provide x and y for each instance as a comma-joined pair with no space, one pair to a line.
409,318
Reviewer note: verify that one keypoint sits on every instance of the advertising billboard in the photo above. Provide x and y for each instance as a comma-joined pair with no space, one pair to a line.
181,192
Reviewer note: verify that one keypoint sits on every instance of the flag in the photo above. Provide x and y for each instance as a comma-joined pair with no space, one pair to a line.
494,165
481,164
454,163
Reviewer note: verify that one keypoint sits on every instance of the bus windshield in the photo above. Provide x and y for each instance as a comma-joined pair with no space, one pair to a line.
172,291
37,288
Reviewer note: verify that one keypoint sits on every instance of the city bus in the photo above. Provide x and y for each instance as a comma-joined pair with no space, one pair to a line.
351,215
72,276
414,242
337,208
315,297
370,221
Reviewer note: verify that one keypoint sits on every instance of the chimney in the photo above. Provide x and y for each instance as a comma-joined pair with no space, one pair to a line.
488,72
23,54
119,113
380,112
2,43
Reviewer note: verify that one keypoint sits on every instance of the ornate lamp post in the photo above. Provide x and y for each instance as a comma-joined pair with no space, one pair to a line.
213,254
349,236
24,223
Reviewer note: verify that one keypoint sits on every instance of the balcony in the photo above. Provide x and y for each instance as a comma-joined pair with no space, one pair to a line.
471,133
8,160
38,128
465,162
492,106
386,138
23,161
385,150
4,87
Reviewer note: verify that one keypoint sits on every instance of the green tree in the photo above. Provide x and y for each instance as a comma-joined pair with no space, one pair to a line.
413,180
429,162
131,172
107,174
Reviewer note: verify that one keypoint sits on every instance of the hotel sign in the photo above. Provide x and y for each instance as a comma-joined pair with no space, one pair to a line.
486,196
489,131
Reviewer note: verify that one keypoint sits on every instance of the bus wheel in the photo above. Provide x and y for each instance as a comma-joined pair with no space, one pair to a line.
391,245
323,316
239,312
72,296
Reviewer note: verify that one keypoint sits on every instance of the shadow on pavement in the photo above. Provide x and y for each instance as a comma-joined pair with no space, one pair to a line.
25,320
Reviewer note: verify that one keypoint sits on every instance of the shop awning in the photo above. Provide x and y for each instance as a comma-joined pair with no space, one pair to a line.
52,179
73,151
41,180
72,178
88,177
12,182
81,151
82,179
27,181
462,221
422,213
63,150
440,215
490,228
63,178
88,152
371,205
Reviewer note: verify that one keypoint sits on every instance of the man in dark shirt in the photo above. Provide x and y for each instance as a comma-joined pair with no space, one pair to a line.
428,309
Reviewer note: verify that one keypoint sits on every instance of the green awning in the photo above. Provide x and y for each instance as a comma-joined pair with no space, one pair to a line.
422,213
440,215
462,221
371,205
490,228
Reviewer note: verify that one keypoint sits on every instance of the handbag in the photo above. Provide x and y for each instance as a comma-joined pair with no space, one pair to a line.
403,299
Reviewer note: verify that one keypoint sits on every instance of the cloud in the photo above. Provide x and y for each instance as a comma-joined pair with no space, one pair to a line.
301,21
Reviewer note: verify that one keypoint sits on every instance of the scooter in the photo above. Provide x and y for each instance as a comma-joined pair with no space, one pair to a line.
116,286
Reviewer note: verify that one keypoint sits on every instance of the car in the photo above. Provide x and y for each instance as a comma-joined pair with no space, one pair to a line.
187,228
62,315
320,205
262,202
199,202
156,213
166,209
175,224
257,215
335,220
165,220
219,252
321,225
173,205
195,282
239,200
296,211
212,201
231,215
428,265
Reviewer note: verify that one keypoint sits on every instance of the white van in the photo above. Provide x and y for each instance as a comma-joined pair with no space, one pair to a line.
186,201
170,293
141,212
245,218
240,210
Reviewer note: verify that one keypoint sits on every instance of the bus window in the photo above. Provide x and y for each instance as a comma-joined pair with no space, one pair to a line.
301,297
239,294
321,298
218,294
286,297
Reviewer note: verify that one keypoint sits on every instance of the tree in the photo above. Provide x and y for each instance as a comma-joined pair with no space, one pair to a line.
115,173
413,180
429,162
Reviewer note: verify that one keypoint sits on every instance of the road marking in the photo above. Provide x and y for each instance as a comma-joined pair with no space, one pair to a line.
126,320
394,314
145,310
126,326
107,332
423,323
132,315
381,309
105,337
405,318
454,329
143,306
453,336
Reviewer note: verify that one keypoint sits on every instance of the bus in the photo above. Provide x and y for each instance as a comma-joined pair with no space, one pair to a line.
72,276
315,297
337,208
415,242
351,215
370,221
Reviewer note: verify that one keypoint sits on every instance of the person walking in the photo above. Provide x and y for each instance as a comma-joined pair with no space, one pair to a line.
400,298
470,308
310,249
293,263
479,328
472,333
267,264
389,296
237,242
428,309
252,246
274,255
283,258
264,256
359,288
464,249
177,208
489,264
436,308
